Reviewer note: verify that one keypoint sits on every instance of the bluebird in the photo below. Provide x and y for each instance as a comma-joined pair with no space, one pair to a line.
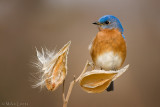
108,48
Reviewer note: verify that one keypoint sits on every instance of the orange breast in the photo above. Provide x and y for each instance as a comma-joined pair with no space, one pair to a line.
108,40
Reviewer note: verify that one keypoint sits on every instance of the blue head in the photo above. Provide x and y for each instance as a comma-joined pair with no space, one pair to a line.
109,22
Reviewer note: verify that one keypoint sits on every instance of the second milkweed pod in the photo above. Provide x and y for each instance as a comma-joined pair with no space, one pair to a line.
96,81
56,76
54,68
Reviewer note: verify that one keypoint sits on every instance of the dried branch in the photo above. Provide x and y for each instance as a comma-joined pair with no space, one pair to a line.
65,100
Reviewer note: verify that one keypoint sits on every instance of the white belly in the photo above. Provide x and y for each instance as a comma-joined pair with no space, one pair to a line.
109,61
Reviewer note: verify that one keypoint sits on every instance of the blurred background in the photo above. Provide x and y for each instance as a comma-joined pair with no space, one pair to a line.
25,24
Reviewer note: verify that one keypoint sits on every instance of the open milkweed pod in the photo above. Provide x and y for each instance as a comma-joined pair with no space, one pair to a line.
54,67
97,81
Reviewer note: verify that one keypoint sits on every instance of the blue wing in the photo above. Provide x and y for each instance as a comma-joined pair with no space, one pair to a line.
123,36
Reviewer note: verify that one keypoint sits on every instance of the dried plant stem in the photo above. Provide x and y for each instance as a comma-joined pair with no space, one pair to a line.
65,100
63,96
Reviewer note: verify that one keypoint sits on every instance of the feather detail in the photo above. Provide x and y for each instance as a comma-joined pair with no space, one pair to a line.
108,40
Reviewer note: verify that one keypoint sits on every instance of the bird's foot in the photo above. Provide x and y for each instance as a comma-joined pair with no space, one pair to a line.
114,69
92,65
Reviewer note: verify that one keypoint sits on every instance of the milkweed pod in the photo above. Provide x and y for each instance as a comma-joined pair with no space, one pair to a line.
97,81
54,68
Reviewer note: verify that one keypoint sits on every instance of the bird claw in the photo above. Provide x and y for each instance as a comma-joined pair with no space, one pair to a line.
92,65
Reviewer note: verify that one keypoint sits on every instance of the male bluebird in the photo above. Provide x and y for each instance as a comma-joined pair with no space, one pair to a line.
108,49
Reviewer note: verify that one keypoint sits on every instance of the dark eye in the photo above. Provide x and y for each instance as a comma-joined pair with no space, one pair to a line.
107,22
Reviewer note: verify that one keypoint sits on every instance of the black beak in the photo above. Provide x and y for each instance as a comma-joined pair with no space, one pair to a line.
95,23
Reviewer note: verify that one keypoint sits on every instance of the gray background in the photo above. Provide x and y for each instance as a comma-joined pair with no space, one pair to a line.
25,24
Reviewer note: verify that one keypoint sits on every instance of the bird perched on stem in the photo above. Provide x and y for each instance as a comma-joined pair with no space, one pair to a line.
108,49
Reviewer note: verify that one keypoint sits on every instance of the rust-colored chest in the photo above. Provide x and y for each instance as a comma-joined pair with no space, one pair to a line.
108,40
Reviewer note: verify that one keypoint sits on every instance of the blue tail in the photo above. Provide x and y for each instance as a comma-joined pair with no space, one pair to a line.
111,87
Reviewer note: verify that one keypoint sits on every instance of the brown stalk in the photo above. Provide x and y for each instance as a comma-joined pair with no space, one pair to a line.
66,99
